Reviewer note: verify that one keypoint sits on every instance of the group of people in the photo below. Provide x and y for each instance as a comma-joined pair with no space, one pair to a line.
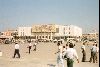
29,47
68,53
94,50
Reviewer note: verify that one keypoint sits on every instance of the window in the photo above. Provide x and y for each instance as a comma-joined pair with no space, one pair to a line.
49,37
42,36
57,30
21,33
69,32
46,36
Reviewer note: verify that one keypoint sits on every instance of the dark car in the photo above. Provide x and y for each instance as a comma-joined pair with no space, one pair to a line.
7,41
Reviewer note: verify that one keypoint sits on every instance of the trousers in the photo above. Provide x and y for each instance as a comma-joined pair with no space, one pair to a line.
69,62
17,52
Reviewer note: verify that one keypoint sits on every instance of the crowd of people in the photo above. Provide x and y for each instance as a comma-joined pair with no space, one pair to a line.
68,53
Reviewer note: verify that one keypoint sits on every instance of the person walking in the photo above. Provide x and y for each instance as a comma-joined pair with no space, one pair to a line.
84,52
93,53
71,54
60,56
16,50
64,51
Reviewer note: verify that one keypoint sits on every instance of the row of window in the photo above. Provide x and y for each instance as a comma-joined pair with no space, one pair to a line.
40,37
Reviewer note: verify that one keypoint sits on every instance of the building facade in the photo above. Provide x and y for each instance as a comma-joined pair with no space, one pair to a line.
52,31
24,31
73,31
43,31
91,35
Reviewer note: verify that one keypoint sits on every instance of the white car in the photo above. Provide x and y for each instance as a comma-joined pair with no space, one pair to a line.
55,40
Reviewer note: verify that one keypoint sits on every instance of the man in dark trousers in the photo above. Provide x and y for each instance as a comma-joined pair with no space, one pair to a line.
84,53
93,53
29,46
16,50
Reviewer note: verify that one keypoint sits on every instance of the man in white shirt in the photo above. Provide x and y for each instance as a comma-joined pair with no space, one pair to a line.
84,52
16,50
71,54
93,53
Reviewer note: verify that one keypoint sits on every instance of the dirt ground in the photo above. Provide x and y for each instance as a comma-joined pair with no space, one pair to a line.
43,57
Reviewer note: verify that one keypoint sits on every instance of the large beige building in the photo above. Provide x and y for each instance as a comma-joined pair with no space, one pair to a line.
43,31
51,31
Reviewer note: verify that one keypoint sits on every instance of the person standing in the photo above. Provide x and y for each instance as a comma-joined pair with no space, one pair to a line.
93,53
71,54
29,46
97,53
84,52
63,51
35,44
16,50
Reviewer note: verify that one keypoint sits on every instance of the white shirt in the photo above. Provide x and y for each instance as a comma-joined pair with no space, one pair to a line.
16,46
30,44
71,53
94,49
60,49
83,47
97,49
64,51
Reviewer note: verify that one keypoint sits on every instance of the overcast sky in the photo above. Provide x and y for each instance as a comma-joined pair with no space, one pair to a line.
82,13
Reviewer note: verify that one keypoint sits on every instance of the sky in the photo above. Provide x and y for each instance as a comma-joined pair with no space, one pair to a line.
82,13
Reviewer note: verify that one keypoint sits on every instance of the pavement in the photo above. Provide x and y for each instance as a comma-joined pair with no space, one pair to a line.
43,57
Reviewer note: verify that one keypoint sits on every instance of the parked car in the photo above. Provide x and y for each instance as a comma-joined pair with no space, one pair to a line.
7,41
55,40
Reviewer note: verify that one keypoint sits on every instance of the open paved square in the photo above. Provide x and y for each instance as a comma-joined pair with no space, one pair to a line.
43,57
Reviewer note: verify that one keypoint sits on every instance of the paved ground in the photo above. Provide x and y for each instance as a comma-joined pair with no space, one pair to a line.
43,57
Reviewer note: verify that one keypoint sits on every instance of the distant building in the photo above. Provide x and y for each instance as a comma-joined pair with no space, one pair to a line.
7,34
24,31
43,31
51,31
73,31
91,35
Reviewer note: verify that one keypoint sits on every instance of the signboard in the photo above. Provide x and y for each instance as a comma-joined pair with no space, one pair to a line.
43,28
